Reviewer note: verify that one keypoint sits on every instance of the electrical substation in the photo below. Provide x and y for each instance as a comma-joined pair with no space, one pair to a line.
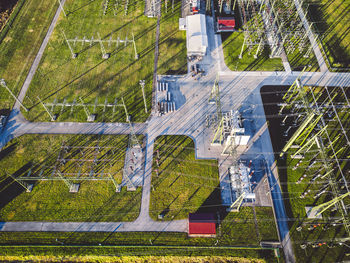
144,98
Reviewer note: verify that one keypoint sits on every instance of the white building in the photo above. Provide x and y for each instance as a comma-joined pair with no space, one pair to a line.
196,35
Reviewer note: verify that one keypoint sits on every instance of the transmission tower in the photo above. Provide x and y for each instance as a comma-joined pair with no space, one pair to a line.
134,140
142,84
215,98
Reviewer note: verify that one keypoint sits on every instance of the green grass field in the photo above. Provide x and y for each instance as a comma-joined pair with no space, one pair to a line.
37,155
137,259
266,224
232,46
184,183
298,61
172,42
331,21
90,77
21,41
137,254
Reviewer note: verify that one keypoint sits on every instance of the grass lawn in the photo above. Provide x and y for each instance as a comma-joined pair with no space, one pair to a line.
90,77
122,243
184,183
298,61
232,46
136,254
20,42
266,224
238,228
137,259
37,155
331,20
172,42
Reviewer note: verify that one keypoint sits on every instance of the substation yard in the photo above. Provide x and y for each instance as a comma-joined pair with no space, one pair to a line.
253,46
113,46
128,144
313,173
50,165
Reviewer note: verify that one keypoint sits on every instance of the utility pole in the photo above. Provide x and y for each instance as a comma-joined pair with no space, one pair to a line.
240,54
323,207
134,44
142,84
134,140
69,184
3,83
236,204
221,3
117,186
59,1
126,111
208,5
257,51
215,92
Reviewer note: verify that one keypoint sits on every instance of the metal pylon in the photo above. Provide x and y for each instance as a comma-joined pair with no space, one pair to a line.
65,180
134,142
215,94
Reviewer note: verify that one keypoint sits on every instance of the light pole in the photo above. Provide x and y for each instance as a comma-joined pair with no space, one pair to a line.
3,83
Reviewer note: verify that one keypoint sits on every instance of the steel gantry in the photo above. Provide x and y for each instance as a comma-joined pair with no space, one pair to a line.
73,165
272,23
215,98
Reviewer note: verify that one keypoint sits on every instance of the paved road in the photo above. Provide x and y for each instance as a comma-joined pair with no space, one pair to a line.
38,57
151,226
17,126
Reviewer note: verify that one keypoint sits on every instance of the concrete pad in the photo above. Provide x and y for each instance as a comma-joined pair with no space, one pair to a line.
311,213
74,188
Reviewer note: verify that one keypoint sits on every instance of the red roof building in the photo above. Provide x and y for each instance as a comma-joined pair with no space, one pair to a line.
201,225
226,24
